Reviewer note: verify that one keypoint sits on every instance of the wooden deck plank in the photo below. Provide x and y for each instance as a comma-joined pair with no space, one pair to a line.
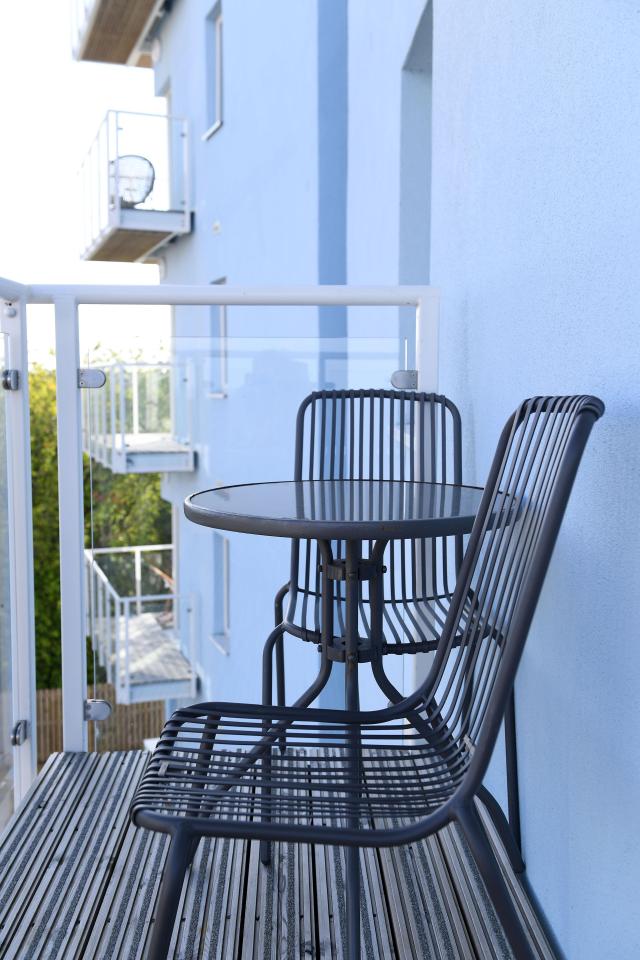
79,882
49,847
78,865
532,920
484,931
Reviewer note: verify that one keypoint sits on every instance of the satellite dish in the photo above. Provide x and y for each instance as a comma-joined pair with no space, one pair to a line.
135,179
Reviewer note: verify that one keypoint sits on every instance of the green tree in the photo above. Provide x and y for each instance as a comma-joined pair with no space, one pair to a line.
127,510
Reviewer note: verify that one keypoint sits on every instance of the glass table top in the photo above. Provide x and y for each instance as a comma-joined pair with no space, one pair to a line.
338,509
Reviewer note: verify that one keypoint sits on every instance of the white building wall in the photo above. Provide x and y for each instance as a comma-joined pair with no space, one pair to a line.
268,198
535,229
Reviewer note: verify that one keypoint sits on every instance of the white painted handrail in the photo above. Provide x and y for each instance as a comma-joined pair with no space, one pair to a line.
212,294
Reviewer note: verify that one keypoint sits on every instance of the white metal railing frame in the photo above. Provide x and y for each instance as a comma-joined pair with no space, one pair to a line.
99,175
108,623
106,414
13,323
66,301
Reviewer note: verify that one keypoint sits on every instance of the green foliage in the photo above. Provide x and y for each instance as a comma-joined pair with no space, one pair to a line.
42,389
127,510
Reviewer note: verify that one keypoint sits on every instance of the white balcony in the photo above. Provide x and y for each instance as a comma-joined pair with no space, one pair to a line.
140,421
141,631
134,186
112,31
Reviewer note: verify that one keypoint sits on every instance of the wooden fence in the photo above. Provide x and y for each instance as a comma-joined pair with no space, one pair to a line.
125,729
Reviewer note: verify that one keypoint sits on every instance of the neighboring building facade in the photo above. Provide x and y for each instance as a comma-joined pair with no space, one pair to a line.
486,149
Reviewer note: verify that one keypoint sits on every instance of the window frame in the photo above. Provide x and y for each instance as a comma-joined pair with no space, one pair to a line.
213,69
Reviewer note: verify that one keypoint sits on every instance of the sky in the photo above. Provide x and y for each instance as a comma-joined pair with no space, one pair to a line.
50,110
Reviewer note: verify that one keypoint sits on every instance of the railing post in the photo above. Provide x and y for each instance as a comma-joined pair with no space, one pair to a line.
71,506
427,364
427,336
137,572
109,460
122,403
14,323
135,399
127,678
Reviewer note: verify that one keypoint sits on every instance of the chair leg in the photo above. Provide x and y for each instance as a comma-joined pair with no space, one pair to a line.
193,850
489,868
280,683
274,639
180,854
511,751
265,852
503,827
267,665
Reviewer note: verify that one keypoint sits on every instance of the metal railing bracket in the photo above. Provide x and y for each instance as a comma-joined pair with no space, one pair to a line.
97,709
91,379
10,379
405,379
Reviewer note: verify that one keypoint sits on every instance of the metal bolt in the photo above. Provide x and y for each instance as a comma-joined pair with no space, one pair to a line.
10,310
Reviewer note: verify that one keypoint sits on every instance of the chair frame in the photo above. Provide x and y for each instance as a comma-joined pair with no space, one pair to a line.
507,589
334,407
334,467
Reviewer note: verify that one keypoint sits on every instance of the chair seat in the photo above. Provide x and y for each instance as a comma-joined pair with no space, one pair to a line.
224,770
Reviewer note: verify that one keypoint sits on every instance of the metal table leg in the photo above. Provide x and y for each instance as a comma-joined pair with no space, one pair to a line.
352,702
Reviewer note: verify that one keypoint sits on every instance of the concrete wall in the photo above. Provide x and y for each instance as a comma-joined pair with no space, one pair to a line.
535,228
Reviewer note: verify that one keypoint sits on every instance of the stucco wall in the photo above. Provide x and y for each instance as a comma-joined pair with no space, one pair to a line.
534,245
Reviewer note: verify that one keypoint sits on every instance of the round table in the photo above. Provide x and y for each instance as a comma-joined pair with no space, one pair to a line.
352,511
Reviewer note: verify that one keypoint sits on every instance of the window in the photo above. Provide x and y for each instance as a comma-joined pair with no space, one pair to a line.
220,635
213,67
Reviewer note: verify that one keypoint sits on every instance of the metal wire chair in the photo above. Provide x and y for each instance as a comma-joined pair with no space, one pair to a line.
372,435
392,776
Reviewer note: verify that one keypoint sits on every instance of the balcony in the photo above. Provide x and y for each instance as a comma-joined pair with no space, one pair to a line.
112,31
135,423
134,187
76,872
141,631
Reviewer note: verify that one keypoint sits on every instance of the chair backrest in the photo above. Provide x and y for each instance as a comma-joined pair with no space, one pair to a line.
380,435
502,574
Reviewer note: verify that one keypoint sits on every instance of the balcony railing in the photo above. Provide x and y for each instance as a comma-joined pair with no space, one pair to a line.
105,31
134,186
90,585
142,632
135,424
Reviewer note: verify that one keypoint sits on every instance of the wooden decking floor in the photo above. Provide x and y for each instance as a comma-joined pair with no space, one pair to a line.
77,880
